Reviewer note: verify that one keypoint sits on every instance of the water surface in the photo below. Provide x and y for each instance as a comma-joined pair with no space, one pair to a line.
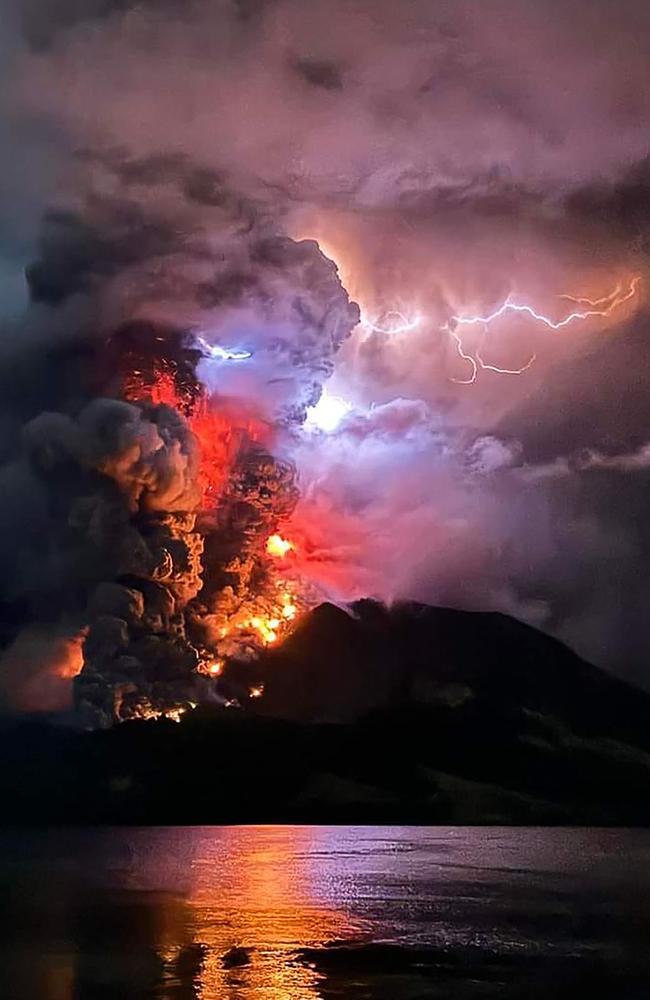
417,913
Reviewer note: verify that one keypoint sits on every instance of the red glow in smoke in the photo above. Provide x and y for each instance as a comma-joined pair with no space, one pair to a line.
220,430
329,548
219,441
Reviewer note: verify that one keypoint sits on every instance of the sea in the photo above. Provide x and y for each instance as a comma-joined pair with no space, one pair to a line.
306,912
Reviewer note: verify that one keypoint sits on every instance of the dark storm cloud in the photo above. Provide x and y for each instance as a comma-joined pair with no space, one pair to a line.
622,205
601,400
434,96
73,252
42,20
326,75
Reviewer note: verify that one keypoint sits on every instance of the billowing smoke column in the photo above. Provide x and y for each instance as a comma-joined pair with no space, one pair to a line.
205,493
165,491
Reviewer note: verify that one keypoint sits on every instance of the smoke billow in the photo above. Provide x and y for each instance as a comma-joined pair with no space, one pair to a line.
38,668
159,503
180,186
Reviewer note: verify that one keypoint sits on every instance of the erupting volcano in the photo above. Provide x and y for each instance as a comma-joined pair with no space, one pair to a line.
194,475
203,436
168,469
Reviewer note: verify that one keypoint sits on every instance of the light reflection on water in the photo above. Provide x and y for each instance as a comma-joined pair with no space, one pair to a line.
135,913
150,913
252,887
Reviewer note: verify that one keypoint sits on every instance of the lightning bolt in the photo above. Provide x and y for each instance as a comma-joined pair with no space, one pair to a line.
466,357
603,306
404,323
476,361
221,353
505,371
596,302
614,300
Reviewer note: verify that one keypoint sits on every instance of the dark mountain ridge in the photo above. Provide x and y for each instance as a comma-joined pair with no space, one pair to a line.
337,665
411,714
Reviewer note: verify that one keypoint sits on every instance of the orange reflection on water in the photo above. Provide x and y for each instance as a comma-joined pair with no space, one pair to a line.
234,887
252,889
149,914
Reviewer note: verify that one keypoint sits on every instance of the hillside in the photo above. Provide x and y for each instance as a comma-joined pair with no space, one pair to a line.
417,714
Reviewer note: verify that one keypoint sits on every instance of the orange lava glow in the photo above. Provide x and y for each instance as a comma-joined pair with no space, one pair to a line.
218,428
173,714
213,668
264,621
331,547
219,442
266,627
71,659
278,546
162,390
276,625
38,668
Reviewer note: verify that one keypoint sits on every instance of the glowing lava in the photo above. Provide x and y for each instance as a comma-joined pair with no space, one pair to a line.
267,628
262,623
278,546
289,609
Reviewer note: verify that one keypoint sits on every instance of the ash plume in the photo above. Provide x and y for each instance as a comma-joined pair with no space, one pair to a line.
155,475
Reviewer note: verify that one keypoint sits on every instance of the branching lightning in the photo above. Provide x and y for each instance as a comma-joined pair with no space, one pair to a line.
395,322
602,307
466,357
221,353
403,325
609,303
583,300
477,362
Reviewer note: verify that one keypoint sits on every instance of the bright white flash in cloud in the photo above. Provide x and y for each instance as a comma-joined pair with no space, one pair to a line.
222,353
394,322
328,412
